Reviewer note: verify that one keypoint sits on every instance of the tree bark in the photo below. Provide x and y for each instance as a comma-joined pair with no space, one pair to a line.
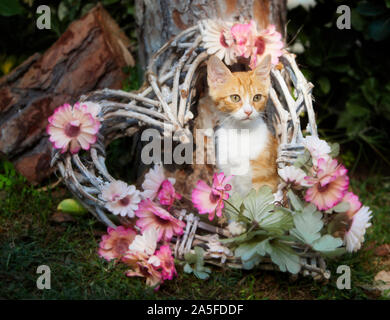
89,55
159,20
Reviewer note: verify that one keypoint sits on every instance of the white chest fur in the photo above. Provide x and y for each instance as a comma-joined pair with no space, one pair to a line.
236,145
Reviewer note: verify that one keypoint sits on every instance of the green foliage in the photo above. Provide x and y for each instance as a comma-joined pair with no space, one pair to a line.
308,226
349,69
8,176
197,261
10,8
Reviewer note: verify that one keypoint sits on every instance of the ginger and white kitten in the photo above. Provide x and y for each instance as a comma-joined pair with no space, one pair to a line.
245,146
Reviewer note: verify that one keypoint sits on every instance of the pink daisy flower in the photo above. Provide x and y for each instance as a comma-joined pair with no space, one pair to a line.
167,263
293,176
90,107
115,244
210,199
218,40
243,38
267,42
354,203
354,236
140,267
167,194
152,216
72,128
153,182
121,199
318,148
329,186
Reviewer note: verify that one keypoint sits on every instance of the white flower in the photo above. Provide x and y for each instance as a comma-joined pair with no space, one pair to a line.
291,4
145,243
354,237
236,228
91,107
218,40
121,199
318,148
153,180
155,261
293,175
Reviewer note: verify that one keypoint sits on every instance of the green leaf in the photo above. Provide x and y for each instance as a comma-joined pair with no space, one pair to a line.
232,206
308,224
251,263
190,257
324,84
370,9
334,149
244,237
371,91
258,205
201,275
277,221
328,245
187,268
296,203
71,206
341,207
358,23
10,8
63,11
246,251
302,159
284,257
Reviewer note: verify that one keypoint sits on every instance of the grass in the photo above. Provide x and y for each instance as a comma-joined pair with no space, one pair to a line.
29,238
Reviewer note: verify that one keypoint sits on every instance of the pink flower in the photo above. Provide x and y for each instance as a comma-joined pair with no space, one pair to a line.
167,194
121,199
243,37
140,267
329,186
153,182
210,199
354,203
218,40
268,41
115,244
72,127
167,263
220,182
356,229
152,216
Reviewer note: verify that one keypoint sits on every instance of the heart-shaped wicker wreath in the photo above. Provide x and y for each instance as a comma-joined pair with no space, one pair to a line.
164,103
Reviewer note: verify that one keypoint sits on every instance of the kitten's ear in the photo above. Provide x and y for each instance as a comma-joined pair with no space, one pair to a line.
264,68
217,72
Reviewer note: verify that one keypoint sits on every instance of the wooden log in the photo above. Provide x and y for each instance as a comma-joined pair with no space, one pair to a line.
89,55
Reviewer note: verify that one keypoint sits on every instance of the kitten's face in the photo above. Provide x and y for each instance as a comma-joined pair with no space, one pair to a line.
242,95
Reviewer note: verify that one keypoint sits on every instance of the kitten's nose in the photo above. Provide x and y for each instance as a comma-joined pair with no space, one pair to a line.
248,113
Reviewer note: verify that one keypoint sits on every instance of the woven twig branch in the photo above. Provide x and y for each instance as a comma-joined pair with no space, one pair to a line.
164,103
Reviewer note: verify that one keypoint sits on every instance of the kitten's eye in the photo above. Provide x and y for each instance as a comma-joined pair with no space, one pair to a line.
235,98
256,97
